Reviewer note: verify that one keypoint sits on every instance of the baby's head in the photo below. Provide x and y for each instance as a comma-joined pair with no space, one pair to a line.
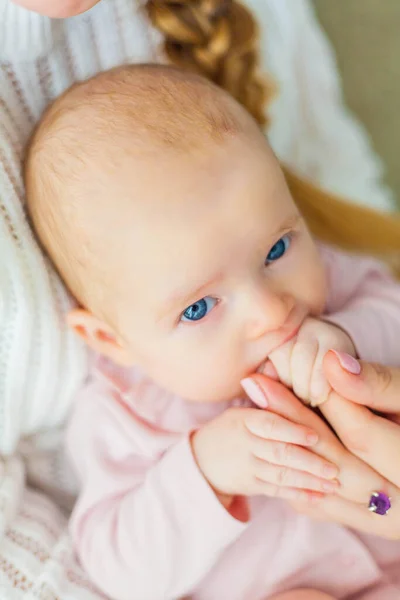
168,217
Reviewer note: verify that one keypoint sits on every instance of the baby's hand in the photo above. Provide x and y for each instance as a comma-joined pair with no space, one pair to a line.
247,452
298,363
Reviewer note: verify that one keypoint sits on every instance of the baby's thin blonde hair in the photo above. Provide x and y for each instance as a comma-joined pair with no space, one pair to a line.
137,111
219,39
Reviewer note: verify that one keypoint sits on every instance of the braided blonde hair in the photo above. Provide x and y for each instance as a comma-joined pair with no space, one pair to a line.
219,39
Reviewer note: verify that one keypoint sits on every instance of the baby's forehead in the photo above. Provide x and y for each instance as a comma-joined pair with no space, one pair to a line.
150,104
132,118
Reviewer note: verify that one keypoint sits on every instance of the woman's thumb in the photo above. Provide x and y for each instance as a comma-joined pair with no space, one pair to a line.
372,385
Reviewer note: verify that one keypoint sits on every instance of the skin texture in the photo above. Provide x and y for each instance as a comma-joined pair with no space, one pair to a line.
57,9
298,363
303,595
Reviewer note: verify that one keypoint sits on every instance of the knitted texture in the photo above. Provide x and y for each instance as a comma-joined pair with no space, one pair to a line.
41,362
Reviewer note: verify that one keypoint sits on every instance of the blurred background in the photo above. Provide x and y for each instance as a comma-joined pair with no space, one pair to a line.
365,35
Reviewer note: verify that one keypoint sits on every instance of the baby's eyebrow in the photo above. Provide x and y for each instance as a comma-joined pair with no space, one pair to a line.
284,227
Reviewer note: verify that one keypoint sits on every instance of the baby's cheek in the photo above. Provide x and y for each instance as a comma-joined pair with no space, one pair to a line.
317,291
214,379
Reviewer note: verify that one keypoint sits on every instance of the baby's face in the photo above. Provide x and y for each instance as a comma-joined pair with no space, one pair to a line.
216,269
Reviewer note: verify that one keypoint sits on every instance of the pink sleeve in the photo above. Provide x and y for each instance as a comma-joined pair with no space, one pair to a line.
145,526
365,302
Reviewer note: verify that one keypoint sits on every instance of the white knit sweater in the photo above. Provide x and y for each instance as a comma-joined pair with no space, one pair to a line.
41,363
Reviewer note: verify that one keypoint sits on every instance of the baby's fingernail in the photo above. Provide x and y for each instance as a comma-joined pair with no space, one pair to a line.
254,392
348,363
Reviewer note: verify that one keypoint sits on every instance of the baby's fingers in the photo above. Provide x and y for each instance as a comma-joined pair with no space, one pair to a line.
319,386
302,365
291,478
294,457
270,426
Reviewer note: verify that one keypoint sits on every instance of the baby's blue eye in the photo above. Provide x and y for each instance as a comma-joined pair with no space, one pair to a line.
198,310
278,249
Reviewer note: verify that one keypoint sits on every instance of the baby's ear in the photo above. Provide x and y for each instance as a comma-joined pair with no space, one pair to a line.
99,336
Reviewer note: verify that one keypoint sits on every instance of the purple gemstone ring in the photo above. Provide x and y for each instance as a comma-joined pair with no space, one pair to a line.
379,503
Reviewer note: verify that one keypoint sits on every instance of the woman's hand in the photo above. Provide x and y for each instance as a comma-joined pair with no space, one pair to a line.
374,439
358,480
246,452
57,9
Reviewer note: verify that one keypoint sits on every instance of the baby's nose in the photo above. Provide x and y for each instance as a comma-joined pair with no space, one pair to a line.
269,312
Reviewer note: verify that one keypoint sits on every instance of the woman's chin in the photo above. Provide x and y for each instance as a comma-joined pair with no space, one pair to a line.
57,9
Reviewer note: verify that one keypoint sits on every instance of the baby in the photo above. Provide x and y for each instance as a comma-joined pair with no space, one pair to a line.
166,213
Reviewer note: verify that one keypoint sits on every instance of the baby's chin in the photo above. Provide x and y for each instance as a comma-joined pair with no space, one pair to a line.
201,387
213,394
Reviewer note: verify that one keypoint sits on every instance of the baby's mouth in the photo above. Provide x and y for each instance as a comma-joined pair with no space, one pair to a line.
261,367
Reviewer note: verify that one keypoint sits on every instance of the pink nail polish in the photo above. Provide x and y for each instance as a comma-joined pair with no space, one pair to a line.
254,392
348,363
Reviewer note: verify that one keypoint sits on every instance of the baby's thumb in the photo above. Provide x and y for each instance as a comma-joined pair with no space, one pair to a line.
372,385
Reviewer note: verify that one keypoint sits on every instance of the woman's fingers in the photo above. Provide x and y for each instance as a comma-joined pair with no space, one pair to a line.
294,457
375,386
375,440
292,478
357,478
284,403
352,515
270,426
304,498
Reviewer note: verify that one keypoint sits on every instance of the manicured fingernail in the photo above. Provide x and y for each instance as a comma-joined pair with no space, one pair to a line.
348,363
330,471
312,439
254,392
